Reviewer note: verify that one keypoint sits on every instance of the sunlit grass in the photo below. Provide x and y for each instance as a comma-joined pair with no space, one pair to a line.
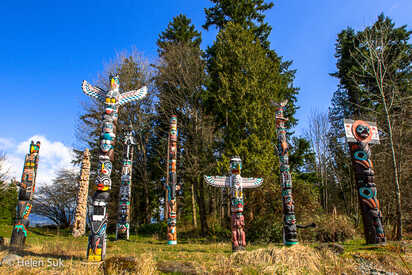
150,255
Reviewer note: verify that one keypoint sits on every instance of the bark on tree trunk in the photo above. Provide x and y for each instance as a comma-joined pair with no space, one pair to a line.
194,206
200,196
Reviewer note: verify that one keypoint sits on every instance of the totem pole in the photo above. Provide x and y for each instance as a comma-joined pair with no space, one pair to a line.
172,186
96,248
27,185
290,235
79,224
236,184
123,214
359,135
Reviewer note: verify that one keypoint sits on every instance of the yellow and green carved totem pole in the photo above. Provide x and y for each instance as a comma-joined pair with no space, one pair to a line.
27,186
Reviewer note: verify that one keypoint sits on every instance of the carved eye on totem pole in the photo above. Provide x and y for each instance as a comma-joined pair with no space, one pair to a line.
106,168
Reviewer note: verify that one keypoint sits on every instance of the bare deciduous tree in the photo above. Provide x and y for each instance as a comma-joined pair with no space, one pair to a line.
57,200
317,134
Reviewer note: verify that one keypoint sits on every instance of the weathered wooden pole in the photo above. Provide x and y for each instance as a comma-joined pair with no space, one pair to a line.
79,224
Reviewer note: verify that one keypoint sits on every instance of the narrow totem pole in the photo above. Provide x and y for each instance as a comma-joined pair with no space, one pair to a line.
123,214
112,100
27,185
172,183
236,184
359,134
79,225
290,234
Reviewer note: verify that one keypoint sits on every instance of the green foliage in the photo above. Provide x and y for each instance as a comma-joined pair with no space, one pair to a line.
246,13
8,203
267,228
179,31
244,81
329,228
151,229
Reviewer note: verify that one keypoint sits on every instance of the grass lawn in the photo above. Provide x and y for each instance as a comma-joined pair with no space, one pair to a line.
148,255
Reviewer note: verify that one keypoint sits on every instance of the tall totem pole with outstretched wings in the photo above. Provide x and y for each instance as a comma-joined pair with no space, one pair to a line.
236,184
112,100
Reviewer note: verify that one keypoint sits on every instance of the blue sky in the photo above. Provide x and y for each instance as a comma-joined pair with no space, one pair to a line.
49,47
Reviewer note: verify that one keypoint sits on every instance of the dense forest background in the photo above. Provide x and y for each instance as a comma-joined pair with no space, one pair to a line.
221,96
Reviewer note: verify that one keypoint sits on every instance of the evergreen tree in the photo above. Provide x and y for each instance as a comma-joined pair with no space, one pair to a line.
246,13
180,30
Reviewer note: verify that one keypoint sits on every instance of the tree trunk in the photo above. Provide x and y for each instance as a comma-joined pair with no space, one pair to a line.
194,206
200,196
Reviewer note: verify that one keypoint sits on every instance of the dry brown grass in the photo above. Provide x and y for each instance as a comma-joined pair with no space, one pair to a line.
151,256
298,259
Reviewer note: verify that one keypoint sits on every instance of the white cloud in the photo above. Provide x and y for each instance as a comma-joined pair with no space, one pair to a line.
54,155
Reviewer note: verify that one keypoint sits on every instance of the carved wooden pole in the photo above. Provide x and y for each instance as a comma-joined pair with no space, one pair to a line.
123,215
27,186
359,135
172,183
79,225
112,100
290,234
236,184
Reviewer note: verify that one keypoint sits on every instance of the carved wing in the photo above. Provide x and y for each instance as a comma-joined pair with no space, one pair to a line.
281,104
132,95
92,91
251,182
218,181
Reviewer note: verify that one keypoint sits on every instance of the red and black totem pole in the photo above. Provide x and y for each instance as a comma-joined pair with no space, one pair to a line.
27,186
359,135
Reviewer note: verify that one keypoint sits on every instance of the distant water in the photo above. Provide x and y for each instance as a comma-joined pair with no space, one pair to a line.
38,220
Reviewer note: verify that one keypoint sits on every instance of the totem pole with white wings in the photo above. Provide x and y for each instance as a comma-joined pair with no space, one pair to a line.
236,184
112,100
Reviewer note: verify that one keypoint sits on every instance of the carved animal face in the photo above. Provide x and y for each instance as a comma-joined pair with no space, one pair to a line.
114,82
362,131
235,165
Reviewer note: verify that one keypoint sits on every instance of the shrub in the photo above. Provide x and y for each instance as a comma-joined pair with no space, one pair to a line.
329,228
151,229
